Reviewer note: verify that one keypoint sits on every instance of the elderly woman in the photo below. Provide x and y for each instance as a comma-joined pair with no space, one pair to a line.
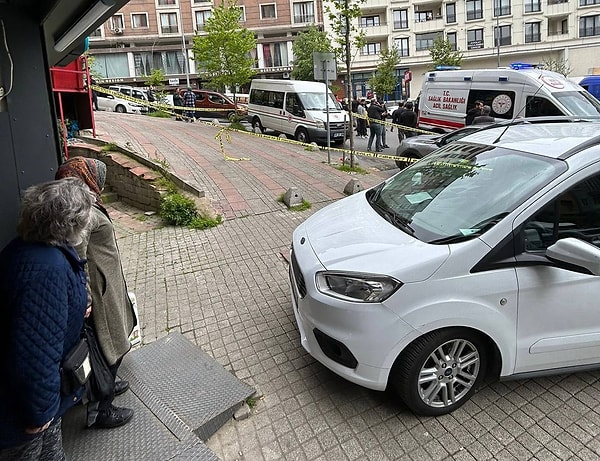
43,303
112,315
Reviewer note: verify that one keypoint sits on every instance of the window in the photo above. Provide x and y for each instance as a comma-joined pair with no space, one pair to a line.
166,2
474,39
451,12
402,45
575,213
589,26
170,62
304,12
589,2
268,11
200,2
451,37
423,16
117,22
243,13
275,54
501,7
564,26
400,18
536,106
369,21
201,17
504,36
139,20
532,6
168,23
293,105
474,9
112,65
371,48
532,32
97,32
425,41
267,98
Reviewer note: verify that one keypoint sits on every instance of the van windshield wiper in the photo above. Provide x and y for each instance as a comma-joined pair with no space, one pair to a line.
394,218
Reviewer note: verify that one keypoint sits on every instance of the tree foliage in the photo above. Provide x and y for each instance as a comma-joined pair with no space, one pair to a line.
384,80
557,65
442,55
303,47
223,53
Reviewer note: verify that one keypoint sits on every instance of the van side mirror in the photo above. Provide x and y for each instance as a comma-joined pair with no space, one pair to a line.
576,252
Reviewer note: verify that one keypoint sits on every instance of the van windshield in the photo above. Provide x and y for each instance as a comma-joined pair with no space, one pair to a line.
578,102
461,191
316,101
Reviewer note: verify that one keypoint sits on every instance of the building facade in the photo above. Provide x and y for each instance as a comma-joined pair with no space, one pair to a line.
532,31
157,34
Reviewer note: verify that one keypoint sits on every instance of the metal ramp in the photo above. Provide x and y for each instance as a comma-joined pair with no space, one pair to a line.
180,395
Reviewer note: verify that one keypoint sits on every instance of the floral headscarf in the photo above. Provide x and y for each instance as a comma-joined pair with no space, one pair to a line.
89,170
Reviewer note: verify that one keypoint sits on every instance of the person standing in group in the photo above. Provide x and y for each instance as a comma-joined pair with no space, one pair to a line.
189,100
408,118
361,121
178,102
375,113
475,111
94,95
43,304
383,127
485,116
396,121
113,317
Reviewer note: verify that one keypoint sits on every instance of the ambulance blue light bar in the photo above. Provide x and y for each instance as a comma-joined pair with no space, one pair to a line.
522,65
441,67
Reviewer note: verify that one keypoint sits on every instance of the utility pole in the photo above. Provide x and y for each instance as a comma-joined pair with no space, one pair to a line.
497,29
349,82
184,49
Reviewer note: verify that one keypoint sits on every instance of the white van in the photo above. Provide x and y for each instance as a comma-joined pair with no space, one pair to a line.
518,91
296,108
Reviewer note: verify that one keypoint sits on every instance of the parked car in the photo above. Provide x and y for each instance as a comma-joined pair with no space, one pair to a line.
480,260
112,104
217,105
417,147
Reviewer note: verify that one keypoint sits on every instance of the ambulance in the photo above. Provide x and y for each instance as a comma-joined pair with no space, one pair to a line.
521,90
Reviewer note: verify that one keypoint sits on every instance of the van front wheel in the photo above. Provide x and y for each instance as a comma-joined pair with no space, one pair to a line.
257,126
302,135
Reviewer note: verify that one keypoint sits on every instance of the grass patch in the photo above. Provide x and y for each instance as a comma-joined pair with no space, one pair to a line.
305,205
109,146
349,169
166,184
142,218
237,125
201,222
178,210
159,114
251,402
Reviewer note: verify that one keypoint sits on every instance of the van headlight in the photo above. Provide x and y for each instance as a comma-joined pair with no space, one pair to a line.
355,286
319,123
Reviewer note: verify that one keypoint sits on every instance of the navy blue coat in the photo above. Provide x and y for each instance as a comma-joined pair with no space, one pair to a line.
42,306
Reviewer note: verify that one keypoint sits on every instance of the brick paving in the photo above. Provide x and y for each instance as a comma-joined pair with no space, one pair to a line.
226,289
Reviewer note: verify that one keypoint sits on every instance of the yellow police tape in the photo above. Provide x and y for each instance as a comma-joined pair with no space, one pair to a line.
169,109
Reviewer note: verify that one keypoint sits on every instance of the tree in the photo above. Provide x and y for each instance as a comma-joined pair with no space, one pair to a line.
156,81
442,55
341,14
384,80
223,54
306,42
557,65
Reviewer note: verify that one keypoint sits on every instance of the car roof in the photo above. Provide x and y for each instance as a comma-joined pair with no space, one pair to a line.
556,139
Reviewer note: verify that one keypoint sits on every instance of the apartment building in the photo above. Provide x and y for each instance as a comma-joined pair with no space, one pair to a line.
157,34
490,33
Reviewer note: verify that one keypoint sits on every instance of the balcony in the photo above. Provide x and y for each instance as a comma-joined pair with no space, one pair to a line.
557,9
375,5
376,31
428,26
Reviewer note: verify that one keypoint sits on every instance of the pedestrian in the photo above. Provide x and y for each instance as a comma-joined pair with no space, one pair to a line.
384,116
396,121
475,111
485,116
94,95
408,119
375,113
189,100
112,317
361,121
43,304
178,102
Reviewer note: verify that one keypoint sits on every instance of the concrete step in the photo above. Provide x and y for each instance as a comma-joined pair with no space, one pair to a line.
180,396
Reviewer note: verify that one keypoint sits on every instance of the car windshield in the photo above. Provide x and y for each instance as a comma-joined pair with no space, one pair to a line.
316,101
461,190
579,102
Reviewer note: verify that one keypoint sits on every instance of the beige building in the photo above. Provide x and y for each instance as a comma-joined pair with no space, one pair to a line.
529,31
157,34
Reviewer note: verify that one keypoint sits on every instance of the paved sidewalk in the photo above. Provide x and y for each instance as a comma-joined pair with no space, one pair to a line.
226,290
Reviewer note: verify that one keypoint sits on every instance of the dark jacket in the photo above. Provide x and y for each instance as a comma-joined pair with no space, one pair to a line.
42,305
471,114
375,111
